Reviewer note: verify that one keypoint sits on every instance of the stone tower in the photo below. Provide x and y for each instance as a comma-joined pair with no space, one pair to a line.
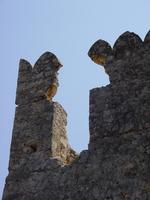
117,164
39,140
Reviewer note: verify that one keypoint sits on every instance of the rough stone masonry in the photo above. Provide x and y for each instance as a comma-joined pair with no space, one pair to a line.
117,164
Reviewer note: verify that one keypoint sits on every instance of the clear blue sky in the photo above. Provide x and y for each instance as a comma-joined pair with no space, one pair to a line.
67,28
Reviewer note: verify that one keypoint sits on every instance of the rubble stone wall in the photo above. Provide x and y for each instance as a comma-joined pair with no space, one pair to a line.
117,164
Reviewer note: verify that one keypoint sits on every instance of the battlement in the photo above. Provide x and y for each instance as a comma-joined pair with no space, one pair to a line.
126,61
34,82
116,109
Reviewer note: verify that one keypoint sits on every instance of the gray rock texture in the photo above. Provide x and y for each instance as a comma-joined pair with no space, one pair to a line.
117,164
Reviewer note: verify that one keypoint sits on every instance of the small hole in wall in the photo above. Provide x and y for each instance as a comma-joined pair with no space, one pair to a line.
33,147
30,148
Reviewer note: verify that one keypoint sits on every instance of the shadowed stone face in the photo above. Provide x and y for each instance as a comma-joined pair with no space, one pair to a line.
99,52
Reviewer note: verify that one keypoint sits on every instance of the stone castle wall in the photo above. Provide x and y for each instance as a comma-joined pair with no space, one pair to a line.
116,165
39,140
